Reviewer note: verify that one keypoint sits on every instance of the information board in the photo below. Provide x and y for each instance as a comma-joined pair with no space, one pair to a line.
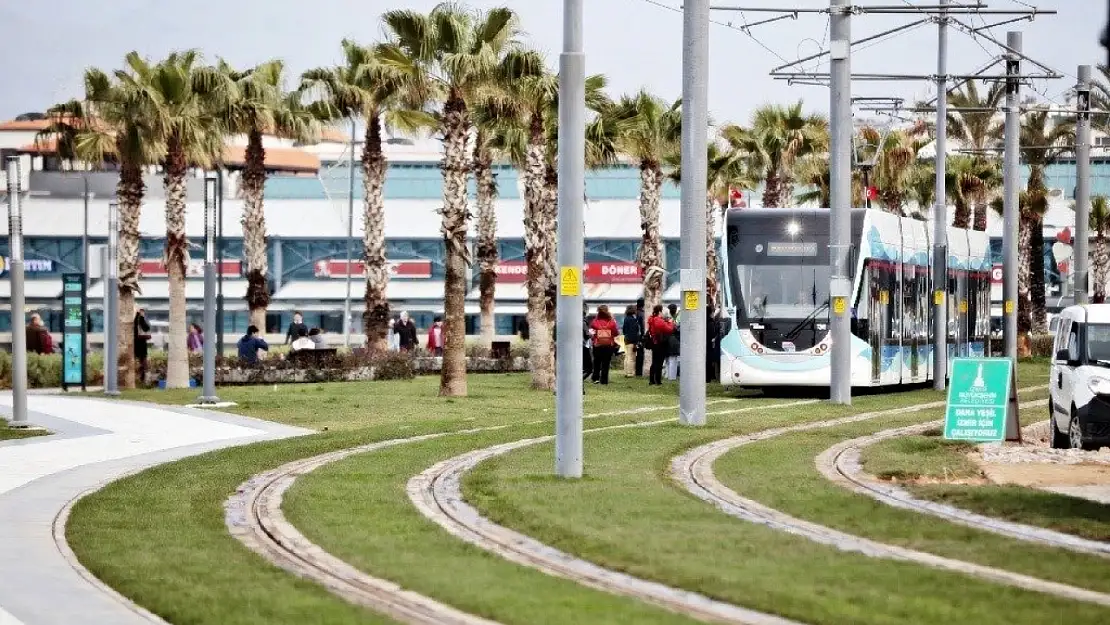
74,314
982,401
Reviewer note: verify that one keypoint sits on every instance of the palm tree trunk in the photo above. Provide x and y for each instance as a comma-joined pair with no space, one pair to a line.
130,191
253,184
1036,279
961,216
536,252
1101,268
376,315
712,265
651,246
486,188
1025,231
981,209
456,216
551,218
177,251
772,190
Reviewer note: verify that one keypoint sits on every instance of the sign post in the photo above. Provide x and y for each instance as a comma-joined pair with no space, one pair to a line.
982,401
74,330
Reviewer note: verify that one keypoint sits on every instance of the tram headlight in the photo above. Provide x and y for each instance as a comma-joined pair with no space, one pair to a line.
1099,385
792,228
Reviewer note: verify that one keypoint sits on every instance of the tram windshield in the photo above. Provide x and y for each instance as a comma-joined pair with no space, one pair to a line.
782,291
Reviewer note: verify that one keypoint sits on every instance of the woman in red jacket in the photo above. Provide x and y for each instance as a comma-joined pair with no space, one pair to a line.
604,333
659,331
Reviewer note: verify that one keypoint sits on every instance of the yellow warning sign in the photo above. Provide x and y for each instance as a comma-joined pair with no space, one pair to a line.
569,282
884,297
690,298
963,306
938,298
840,304
1008,308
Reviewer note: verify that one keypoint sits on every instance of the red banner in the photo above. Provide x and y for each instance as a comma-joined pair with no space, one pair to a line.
409,269
996,274
154,268
516,271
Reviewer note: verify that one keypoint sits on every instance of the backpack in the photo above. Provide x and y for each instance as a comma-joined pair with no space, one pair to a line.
603,337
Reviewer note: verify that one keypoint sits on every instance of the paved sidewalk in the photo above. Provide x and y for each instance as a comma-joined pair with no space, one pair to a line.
94,441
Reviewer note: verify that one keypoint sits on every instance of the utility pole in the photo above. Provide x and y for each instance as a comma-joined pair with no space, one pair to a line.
572,179
695,128
18,301
350,235
208,395
1010,196
111,308
940,213
1082,182
840,213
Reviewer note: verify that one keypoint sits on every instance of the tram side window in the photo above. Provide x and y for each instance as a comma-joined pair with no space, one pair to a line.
892,304
910,310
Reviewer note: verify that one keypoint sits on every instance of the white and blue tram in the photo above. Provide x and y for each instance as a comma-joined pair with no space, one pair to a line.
775,283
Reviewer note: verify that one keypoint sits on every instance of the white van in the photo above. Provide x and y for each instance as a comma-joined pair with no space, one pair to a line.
1079,388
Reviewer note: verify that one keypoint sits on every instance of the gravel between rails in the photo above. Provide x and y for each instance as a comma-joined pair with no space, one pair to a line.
437,493
841,465
253,516
694,470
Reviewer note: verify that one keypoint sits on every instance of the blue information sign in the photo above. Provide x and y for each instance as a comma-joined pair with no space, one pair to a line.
73,330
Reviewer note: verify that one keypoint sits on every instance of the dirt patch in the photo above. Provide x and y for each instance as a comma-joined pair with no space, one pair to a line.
1040,475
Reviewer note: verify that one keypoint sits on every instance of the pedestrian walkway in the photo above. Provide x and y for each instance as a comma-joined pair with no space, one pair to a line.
93,442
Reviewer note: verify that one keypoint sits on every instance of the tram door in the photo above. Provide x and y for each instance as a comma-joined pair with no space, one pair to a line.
877,319
911,333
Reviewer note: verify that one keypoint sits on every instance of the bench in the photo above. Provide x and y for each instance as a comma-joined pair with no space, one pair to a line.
314,358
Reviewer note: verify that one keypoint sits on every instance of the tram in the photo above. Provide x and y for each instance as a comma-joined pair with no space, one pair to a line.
776,280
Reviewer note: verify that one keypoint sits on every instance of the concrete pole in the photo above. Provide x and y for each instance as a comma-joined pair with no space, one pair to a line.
208,393
695,128
350,235
940,214
572,180
111,309
1010,198
840,216
1082,184
15,269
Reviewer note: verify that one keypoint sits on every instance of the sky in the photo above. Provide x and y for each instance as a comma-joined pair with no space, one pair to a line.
635,43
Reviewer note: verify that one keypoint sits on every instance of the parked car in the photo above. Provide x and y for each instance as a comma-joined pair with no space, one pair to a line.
1079,386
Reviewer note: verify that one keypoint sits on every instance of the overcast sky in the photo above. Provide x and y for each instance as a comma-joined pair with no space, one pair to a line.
636,43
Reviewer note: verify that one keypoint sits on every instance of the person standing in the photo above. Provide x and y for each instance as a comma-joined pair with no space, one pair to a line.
674,343
142,343
294,330
195,340
712,344
641,319
39,340
605,334
435,337
587,351
632,335
659,331
406,332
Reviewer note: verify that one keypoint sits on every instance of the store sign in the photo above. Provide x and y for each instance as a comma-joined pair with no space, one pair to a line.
194,268
405,269
516,272
30,265
73,330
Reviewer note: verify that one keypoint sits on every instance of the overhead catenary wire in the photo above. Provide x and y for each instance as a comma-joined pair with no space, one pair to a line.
744,28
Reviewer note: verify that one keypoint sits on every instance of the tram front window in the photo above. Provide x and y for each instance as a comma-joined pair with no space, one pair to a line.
782,292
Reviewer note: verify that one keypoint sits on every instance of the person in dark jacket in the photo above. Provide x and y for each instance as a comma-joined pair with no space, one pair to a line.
632,331
641,316
39,340
406,332
712,344
587,352
294,330
141,335
659,331
249,345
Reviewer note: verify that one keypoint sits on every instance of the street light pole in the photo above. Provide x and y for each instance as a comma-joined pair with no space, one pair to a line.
1010,197
940,214
350,235
1082,183
840,215
208,395
695,125
572,162
111,309
15,259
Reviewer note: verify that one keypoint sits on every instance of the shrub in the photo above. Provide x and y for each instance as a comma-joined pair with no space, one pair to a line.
45,370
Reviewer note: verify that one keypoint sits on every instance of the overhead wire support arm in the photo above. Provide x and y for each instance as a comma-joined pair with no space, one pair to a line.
814,57
793,15
1023,18
971,31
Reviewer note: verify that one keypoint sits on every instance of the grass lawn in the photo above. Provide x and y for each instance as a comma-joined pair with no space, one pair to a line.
627,515
171,552
933,458
7,433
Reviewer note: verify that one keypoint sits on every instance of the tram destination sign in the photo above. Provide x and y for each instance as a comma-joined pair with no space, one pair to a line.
982,401
792,248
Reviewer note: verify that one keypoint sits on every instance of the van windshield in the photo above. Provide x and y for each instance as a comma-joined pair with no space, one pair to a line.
1098,342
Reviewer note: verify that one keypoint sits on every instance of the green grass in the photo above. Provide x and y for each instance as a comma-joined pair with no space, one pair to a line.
627,515
932,457
7,433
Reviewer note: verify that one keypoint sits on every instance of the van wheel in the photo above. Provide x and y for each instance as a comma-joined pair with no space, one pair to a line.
1060,440
1075,435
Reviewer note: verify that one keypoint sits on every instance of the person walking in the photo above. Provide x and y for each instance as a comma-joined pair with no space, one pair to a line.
142,343
605,334
641,319
406,333
632,335
659,330
435,338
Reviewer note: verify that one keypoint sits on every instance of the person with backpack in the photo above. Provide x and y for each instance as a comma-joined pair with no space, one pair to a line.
659,331
605,333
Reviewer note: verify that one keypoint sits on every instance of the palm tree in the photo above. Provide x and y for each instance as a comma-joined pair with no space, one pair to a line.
648,131
1100,97
779,135
978,129
109,124
921,187
366,87
813,172
488,127
1043,139
1100,255
964,181
1031,208
184,119
256,104
895,157
459,53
